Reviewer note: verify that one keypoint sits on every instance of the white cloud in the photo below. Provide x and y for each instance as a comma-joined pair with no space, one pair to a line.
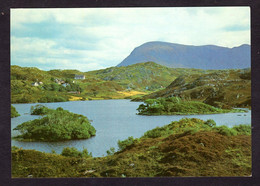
103,37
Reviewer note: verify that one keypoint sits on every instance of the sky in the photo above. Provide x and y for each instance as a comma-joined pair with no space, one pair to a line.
96,38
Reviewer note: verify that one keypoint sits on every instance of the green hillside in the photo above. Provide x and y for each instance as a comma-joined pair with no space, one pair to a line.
114,82
143,76
223,88
189,147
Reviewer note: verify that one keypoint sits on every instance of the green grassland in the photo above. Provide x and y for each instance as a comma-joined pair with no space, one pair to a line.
100,84
189,147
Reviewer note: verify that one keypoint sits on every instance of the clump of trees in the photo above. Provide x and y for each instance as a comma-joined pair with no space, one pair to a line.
39,110
14,112
177,106
73,152
56,125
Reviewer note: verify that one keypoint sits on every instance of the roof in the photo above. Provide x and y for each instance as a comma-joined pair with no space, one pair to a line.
79,75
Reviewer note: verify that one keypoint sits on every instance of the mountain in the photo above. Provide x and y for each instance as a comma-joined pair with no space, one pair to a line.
222,88
188,56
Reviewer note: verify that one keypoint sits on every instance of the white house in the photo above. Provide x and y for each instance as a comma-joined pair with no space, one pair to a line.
79,77
35,84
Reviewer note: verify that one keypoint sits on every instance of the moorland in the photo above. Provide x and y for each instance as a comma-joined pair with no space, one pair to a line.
189,147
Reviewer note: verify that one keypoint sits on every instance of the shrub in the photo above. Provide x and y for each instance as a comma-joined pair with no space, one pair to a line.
70,152
39,110
73,152
243,129
210,122
14,113
123,144
157,132
111,151
224,130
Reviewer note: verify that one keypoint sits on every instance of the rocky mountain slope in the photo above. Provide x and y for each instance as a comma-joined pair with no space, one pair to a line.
188,56
224,88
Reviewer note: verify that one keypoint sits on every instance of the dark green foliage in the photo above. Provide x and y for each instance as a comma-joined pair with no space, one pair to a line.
235,130
39,110
52,98
14,113
73,152
56,125
243,129
185,125
176,106
111,151
125,143
14,148
210,122
224,130
158,132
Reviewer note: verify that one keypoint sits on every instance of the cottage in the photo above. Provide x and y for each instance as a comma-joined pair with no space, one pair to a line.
79,77
35,84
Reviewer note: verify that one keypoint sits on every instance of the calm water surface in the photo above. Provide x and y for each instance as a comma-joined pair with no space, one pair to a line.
114,120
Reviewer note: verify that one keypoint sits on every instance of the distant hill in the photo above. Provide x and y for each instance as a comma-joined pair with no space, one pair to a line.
222,88
143,76
188,56
99,84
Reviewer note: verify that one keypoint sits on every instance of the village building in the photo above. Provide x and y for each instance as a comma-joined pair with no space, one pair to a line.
79,77
35,84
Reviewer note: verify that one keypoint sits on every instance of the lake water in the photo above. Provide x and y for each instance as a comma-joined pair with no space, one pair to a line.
113,120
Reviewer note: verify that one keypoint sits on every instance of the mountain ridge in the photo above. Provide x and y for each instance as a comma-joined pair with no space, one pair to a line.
190,56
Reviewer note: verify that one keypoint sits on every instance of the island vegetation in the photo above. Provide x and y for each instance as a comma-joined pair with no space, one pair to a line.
14,112
55,125
178,106
189,147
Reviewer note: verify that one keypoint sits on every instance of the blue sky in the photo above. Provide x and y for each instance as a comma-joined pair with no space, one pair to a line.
96,38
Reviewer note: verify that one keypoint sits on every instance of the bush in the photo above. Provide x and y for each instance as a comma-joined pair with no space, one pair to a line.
210,122
14,113
73,152
111,151
39,110
224,130
157,132
125,143
243,129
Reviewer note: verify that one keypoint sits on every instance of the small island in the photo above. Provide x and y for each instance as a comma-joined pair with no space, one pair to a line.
178,106
55,125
